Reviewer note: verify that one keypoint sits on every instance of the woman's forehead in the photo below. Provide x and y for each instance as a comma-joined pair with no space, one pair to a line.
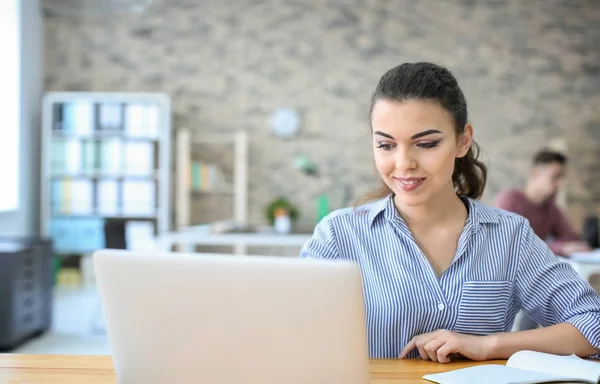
408,118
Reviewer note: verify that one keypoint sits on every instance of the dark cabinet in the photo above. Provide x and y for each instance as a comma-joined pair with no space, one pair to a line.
26,285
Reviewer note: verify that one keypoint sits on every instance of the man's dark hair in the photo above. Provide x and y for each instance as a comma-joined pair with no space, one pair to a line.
547,156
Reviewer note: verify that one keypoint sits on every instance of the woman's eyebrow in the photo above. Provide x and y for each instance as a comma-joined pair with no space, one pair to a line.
425,133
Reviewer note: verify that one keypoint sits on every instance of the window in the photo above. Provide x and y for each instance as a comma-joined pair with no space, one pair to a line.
10,96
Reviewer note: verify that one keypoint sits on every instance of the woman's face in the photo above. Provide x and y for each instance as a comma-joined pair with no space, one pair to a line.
415,145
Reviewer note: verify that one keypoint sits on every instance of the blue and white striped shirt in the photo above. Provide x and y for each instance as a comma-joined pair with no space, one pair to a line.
500,266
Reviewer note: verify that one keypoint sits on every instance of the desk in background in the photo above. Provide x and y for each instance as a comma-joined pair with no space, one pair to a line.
69,369
239,241
186,241
586,264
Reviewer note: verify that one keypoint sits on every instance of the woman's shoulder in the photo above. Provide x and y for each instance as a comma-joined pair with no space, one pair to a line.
348,213
508,231
486,213
356,214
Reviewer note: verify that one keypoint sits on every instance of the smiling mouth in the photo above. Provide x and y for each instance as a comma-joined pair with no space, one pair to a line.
409,184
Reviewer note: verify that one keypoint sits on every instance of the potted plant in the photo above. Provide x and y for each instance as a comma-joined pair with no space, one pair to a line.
281,214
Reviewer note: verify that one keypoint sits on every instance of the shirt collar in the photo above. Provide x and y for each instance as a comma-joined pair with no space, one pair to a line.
380,206
479,213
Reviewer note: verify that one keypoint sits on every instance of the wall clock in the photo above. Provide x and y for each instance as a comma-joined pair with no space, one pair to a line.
285,123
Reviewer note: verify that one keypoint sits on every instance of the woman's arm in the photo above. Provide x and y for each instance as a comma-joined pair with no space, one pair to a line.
322,244
551,293
559,339
556,297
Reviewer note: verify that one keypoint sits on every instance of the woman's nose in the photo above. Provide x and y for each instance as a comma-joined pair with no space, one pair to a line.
405,160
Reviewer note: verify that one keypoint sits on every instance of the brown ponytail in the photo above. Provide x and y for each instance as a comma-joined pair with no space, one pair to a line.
470,174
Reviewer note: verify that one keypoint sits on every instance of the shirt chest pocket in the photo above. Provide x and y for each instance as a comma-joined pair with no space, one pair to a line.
483,307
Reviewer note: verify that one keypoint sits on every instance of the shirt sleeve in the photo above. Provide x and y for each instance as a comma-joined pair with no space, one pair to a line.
562,230
551,292
322,244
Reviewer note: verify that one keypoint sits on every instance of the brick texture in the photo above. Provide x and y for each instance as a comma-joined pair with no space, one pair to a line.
530,71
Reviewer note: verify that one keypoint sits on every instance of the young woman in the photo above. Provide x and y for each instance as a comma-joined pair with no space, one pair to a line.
443,273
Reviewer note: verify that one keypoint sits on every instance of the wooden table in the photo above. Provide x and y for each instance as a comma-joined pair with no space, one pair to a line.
71,369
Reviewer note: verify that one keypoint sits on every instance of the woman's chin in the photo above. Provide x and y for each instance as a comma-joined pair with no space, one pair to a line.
409,199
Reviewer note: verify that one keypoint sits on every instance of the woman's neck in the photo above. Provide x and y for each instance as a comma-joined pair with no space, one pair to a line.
443,208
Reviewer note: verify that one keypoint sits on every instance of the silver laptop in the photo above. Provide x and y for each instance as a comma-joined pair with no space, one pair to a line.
207,318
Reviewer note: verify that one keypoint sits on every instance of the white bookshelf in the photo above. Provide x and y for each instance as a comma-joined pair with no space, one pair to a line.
212,179
104,156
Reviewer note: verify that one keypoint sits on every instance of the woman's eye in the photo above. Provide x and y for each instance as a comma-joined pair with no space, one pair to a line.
428,144
385,146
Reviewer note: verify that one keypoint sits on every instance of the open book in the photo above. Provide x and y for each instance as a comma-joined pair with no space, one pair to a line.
525,367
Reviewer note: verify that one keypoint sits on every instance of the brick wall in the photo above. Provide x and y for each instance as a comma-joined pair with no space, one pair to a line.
530,71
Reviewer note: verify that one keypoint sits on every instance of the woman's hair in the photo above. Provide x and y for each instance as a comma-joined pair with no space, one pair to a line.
433,83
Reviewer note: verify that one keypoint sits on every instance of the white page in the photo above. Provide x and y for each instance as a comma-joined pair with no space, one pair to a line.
153,121
572,365
81,197
73,156
110,116
111,153
139,159
136,120
84,115
107,198
491,374
139,236
138,198
115,163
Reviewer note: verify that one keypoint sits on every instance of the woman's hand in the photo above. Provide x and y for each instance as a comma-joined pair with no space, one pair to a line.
440,345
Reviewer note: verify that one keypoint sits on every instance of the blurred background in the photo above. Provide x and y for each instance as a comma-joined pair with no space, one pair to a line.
146,123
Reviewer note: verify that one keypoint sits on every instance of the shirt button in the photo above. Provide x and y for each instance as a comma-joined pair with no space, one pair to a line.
441,306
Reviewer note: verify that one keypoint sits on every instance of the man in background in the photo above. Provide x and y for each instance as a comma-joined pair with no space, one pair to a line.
536,203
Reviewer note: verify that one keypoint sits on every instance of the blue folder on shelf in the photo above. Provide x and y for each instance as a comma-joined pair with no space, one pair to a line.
77,234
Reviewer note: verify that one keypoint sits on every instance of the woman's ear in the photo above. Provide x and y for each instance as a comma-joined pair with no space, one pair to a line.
464,141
